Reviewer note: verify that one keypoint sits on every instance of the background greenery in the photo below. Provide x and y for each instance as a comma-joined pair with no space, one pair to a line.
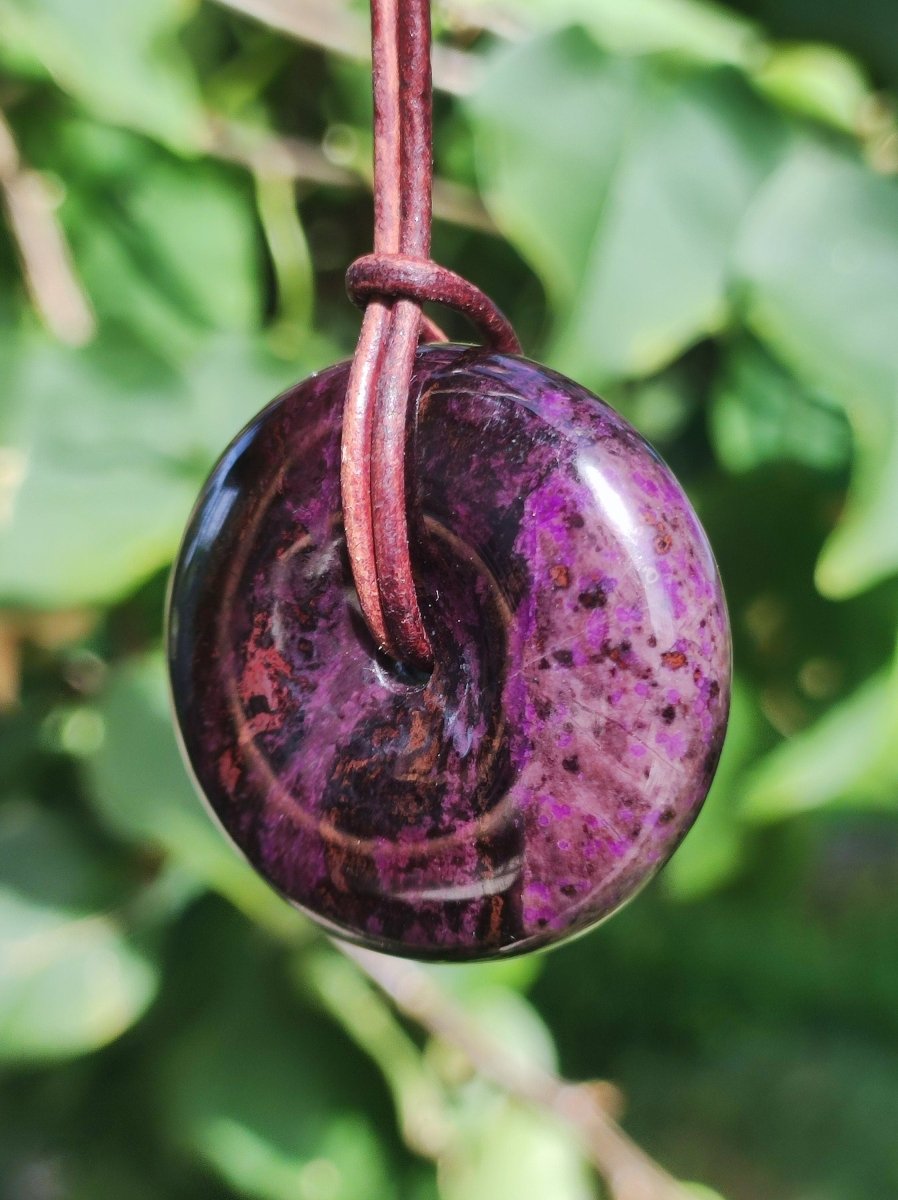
691,208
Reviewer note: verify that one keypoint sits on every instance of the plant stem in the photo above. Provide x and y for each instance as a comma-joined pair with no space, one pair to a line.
55,290
305,162
628,1172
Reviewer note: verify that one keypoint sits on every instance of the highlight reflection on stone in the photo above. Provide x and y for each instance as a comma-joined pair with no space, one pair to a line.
572,725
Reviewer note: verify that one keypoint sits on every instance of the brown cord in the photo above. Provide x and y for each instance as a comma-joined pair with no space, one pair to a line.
392,283
395,275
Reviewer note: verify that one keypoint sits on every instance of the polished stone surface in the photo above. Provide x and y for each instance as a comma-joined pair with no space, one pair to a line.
572,725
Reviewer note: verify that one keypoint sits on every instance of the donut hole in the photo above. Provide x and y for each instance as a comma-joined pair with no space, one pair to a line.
404,675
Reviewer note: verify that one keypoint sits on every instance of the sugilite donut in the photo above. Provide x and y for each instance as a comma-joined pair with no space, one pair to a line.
569,731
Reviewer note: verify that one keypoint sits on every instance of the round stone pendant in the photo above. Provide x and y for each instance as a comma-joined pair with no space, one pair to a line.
569,732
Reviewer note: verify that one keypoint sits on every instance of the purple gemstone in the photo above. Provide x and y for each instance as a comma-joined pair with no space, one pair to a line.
571,728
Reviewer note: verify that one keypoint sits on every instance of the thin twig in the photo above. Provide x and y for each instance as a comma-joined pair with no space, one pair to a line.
628,1172
277,157
50,276
306,162
10,666
338,30
368,1017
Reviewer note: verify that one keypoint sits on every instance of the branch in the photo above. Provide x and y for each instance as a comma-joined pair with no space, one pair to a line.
47,264
338,30
10,667
367,1016
628,1172
305,162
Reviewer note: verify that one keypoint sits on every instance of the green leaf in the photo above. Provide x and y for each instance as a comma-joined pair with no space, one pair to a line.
96,485
847,757
863,549
512,1153
232,378
103,452
510,1021
819,261
761,413
341,1163
123,61
467,982
699,1192
289,249
630,235
868,28
268,1095
170,248
367,1017
817,81
686,27
72,977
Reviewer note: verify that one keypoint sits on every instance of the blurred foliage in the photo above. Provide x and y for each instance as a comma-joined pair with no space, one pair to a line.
696,212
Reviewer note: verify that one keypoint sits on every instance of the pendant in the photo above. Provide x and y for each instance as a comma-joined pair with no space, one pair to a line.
563,743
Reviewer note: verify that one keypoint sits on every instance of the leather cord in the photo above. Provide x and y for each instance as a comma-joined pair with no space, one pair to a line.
392,284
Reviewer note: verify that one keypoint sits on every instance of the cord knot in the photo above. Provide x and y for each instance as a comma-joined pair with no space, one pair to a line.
399,276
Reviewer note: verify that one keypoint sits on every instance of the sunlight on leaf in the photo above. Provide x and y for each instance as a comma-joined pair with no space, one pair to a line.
102,490
760,413
512,1153
819,260
818,81
121,60
690,27
630,237
847,756
72,978
275,1115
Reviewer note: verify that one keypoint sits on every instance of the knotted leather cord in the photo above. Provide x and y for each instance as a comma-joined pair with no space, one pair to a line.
392,284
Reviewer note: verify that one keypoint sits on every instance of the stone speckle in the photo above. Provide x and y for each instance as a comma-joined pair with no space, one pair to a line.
570,730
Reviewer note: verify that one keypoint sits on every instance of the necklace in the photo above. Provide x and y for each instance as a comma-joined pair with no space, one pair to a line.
448,647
